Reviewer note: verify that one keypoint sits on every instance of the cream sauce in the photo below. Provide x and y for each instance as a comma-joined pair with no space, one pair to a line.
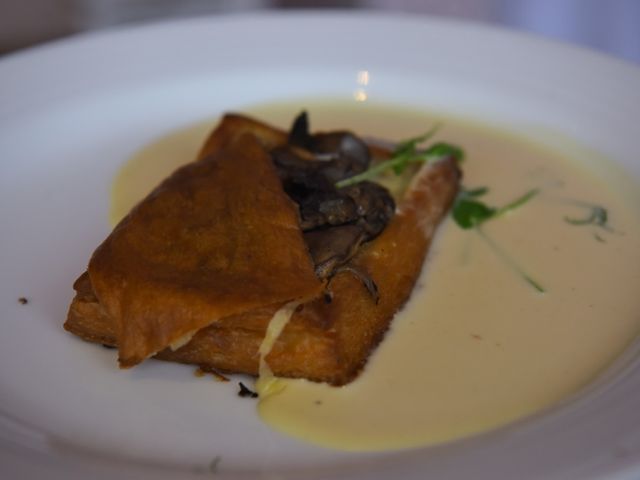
476,346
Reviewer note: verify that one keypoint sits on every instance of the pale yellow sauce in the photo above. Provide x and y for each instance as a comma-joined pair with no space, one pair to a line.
476,347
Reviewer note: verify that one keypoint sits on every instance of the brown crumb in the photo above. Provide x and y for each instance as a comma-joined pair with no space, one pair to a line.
202,371
476,336
219,377
245,392
23,300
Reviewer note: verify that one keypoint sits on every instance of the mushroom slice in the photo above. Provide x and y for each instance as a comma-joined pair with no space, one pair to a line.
332,247
364,277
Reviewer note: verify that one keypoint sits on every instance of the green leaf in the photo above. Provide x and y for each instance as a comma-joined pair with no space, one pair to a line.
470,213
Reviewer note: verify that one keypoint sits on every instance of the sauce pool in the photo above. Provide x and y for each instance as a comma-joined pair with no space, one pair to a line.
476,346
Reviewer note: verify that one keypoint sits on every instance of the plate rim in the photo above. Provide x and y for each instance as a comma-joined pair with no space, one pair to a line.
56,47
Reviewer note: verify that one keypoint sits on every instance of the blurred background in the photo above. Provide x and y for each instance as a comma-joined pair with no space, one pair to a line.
610,26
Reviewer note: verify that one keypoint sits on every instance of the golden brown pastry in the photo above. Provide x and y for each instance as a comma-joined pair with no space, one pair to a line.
219,247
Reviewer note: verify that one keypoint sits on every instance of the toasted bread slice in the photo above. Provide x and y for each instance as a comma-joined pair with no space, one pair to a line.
325,340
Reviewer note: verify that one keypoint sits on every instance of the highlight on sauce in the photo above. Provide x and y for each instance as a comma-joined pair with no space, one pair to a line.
528,293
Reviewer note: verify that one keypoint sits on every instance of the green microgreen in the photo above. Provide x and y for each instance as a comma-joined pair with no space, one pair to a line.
411,144
469,212
408,153
518,202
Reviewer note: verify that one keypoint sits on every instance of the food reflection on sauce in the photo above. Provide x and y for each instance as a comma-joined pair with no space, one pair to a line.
476,346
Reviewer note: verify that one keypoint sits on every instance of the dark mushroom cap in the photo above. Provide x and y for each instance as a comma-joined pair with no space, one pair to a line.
336,222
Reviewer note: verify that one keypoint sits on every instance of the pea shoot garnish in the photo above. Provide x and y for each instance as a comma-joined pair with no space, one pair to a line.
470,213
408,153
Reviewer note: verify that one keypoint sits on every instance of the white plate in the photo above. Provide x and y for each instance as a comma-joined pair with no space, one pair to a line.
72,112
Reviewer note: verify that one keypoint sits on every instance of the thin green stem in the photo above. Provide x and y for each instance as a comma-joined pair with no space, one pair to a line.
392,163
509,261
410,145
518,202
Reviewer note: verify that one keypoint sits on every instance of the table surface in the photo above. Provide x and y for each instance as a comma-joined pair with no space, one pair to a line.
612,27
